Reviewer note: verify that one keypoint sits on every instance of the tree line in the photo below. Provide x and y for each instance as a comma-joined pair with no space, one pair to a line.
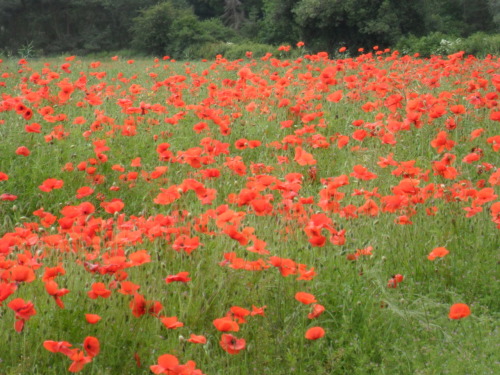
183,27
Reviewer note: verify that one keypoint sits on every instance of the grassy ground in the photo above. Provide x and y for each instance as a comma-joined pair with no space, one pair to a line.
370,328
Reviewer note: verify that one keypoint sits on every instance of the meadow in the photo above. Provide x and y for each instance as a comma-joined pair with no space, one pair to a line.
305,215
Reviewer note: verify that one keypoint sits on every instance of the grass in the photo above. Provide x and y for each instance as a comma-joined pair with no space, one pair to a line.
370,328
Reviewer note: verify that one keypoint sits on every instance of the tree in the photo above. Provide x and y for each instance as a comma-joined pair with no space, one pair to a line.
207,9
233,13
166,29
77,26
494,7
356,23
460,17
477,16
151,30
278,24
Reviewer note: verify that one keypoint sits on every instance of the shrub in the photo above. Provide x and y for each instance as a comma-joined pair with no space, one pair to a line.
189,35
478,44
207,50
481,44
218,31
229,50
151,31
164,29
238,51
433,44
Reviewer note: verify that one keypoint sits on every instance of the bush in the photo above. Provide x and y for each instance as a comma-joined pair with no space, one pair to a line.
151,30
164,29
478,44
229,50
238,51
207,50
433,44
481,44
189,35
186,31
218,31
122,53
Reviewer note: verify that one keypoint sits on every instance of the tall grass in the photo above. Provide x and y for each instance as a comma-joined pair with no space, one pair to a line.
370,327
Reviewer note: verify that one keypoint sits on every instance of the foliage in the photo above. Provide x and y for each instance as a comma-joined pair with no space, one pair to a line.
27,51
208,50
77,26
479,44
429,44
234,15
152,29
278,24
166,30
192,38
229,50
215,28
354,23
459,17
92,26
239,51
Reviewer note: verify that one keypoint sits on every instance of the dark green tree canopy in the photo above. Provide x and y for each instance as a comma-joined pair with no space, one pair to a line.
175,26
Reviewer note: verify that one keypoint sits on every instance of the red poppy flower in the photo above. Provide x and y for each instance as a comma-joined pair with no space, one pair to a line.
238,313
128,288
316,311
52,272
139,257
23,150
92,318
305,298
115,205
232,344
79,360
362,173
99,290
459,311
335,96
50,184
186,243
33,128
303,158
258,310
315,333
226,324
21,274
91,346
171,322
441,142
181,277
58,347
138,305
53,290
8,197
197,339
84,191
438,252
23,310
166,364
6,289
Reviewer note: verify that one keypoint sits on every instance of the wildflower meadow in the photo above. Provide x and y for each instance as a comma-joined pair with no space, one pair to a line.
278,215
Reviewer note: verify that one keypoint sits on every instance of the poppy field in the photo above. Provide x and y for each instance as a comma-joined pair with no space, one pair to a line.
279,215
